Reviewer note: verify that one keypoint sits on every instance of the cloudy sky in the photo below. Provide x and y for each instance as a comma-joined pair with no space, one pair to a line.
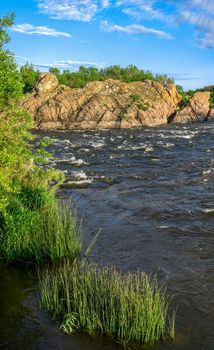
175,37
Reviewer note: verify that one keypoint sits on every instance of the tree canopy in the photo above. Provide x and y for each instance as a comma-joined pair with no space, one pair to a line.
128,74
29,77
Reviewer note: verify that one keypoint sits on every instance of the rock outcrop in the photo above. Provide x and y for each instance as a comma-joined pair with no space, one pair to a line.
101,104
198,109
112,104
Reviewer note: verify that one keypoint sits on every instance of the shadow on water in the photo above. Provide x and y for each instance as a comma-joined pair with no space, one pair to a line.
151,192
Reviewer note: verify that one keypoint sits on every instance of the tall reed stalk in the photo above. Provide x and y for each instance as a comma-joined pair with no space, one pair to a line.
128,307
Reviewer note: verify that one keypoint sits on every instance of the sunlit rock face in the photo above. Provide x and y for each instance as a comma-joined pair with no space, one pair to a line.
198,109
101,104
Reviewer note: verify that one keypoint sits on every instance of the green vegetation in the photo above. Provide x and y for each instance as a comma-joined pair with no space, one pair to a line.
39,229
84,75
32,225
135,98
186,96
212,98
128,74
102,300
29,77
80,78
10,80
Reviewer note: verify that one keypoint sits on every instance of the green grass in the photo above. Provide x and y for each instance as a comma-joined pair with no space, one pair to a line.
102,300
38,230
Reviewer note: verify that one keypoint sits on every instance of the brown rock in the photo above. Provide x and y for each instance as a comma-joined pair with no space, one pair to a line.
46,83
102,104
198,109
211,114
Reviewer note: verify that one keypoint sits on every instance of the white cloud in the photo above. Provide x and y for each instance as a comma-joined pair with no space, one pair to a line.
30,29
133,29
69,64
207,40
80,10
21,58
143,9
106,3
200,14
207,5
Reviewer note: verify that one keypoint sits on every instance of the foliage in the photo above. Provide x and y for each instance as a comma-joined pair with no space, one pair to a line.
128,307
31,225
55,71
15,151
29,77
69,324
212,98
5,22
10,80
34,227
186,96
128,74
135,98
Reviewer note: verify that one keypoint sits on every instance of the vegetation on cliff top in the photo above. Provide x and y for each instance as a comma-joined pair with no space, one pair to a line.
80,78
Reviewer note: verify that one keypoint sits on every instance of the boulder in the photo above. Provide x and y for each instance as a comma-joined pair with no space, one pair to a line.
198,109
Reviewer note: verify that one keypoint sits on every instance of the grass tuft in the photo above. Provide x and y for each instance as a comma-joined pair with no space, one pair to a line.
48,232
102,300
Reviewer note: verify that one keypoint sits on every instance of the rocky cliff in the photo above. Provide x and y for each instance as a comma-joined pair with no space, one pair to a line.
107,104
198,109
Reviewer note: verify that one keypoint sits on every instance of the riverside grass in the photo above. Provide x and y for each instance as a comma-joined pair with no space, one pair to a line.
35,234
102,300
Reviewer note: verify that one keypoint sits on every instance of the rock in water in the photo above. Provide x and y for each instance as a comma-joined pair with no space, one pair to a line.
198,109
101,104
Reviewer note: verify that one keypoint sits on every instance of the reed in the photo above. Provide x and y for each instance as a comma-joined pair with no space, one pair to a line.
102,300
48,232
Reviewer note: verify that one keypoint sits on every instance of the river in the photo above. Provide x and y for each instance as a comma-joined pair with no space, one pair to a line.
151,192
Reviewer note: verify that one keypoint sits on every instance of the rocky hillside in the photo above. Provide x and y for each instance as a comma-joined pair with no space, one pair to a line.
110,104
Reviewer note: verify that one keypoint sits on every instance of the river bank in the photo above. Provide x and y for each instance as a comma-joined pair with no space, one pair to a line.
151,192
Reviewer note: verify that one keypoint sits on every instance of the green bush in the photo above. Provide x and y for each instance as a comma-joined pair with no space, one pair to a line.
135,98
29,77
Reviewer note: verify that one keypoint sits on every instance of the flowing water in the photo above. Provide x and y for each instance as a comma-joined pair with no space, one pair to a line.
151,193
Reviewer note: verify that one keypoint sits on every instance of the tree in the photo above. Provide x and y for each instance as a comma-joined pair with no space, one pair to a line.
10,80
15,151
5,22
29,77
55,71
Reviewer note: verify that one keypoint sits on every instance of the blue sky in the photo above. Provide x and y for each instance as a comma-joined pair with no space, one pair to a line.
172,37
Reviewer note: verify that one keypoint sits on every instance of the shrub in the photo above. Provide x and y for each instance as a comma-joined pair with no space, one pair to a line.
29,77
135,98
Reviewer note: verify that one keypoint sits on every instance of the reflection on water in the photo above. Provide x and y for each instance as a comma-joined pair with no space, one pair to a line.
151,191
